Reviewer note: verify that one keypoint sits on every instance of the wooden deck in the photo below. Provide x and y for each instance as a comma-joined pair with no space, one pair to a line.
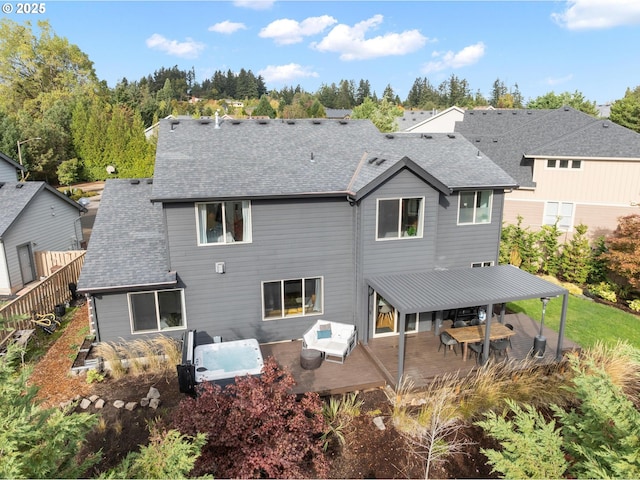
376,364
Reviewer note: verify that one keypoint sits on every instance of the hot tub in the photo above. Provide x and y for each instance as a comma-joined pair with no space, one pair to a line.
219,362
227,360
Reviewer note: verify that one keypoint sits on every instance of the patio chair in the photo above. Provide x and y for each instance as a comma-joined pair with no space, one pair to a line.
476,348
499,347
460,324
510,327
448,341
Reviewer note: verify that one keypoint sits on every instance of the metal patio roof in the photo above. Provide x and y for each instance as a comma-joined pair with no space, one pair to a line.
436,290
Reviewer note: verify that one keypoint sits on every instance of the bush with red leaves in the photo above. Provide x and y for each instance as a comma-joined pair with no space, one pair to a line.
256,428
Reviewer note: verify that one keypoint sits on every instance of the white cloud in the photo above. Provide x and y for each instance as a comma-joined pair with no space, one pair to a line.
598,14
451,60
254,4
286,31
286,73
227,27
351,43
187,49
559,80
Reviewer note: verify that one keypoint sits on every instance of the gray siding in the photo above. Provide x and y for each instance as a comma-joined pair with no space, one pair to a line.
290,239
47,223
458,246
7,172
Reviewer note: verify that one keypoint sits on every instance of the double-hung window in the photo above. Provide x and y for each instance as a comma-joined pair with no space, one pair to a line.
560,212
474,207
399,218
292,298
224,222
156,311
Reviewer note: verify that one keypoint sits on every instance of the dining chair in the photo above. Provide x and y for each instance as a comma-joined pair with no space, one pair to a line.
449,342
459,324
499,347
476,348
510,327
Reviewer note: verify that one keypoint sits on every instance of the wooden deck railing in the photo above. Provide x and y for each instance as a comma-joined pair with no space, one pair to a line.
44,295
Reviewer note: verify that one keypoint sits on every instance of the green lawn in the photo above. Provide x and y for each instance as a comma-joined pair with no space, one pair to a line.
587,321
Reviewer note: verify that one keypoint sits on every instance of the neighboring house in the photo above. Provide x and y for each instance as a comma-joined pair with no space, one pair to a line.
34,217
9,169
572,168
338,113
421,121
257,229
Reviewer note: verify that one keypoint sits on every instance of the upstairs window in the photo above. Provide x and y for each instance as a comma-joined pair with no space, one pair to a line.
561,212
224,222
399,218
564,164
475,207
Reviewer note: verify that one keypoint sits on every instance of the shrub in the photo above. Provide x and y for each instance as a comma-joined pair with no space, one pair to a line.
94,376
634,305
574,260
256,428
531,447
604,290
602,434
623,250
339,413
168,455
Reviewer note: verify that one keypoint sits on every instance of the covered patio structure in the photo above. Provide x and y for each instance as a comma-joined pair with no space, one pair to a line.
440,290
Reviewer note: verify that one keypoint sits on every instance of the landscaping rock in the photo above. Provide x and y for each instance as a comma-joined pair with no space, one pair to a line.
99,403
154,403
93,398
153,393
131,406
379,422
85,403
118,404
144,402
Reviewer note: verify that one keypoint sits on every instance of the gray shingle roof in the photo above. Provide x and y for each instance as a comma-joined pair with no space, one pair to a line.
279,158
15,196
127,246
509,137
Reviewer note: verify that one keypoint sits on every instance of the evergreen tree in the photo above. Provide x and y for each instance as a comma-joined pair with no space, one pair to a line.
364,91
264,108
498,90
575,256
626,111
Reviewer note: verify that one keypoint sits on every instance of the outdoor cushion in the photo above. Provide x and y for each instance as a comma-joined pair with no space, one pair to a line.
324,334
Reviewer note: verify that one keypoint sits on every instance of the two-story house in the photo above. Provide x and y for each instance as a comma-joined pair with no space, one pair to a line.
33,217
255,229
571,168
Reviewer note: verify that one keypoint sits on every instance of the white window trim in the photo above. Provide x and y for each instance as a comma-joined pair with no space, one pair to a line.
557,166
482,264
475,209
420,228
282,315
213,244
560,203
158,330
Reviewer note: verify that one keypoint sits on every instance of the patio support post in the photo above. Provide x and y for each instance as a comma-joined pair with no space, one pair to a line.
401,342
563,318
487,340
503,310
438,320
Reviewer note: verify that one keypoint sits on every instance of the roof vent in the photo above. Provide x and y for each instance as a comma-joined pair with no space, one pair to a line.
514,112
19,185
236,122
316,121
451,135
204,121
173,124
470,113
477,140
499,113
262,121
134,182
605,124
566,109
344,122
495,140
372,159
1,184
428,136
149,181
381,161
291,122
529,112
389,136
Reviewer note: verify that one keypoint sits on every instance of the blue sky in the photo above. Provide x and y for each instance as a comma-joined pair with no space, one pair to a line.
586,45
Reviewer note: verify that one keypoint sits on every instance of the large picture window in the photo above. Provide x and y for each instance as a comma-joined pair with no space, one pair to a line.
475,207
156,311
292,298
561,212
224,222
399,218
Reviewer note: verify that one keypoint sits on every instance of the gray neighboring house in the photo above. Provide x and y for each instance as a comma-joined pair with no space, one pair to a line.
33,217
256,229
9,169
571,167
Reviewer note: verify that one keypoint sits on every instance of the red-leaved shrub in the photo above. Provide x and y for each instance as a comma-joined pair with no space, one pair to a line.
256,428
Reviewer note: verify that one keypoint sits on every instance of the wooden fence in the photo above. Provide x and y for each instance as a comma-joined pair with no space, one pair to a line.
50,262
47,293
